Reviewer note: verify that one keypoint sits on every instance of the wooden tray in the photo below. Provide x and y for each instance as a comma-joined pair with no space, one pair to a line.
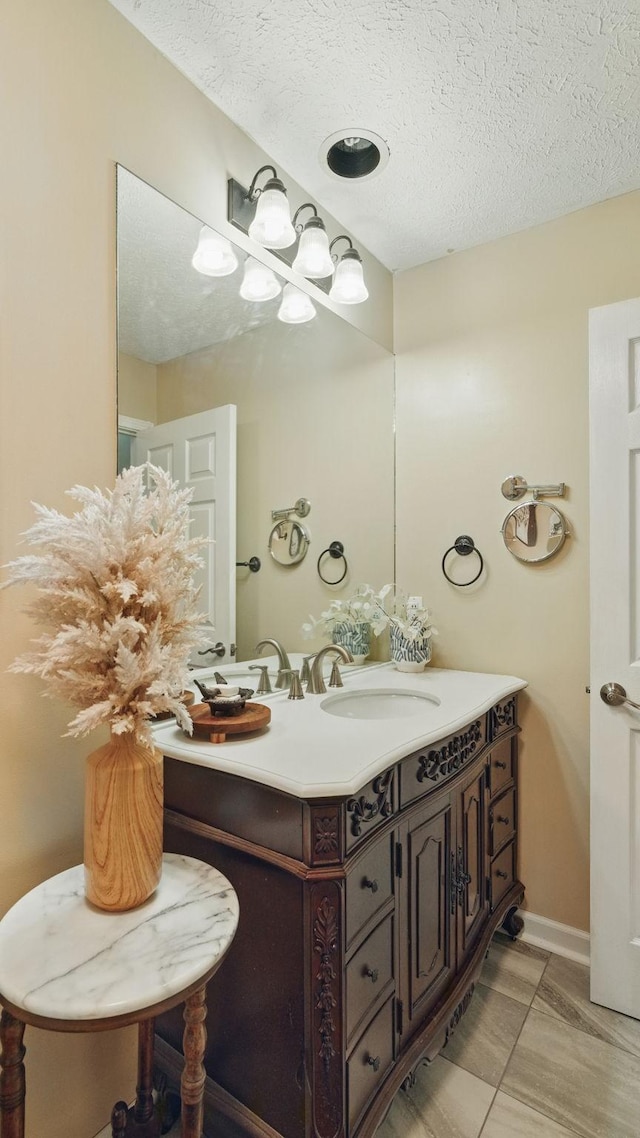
215,728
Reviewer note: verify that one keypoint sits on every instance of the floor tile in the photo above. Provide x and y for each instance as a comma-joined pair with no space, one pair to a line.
509,1118
577,1080
514,969
484,1038
445,1102
564,993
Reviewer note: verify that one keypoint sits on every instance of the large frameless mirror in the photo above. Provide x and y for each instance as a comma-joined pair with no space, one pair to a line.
251,411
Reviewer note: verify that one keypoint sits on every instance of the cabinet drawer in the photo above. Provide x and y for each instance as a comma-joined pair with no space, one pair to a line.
502,820
369,886
369,972
500,765
370,1060
503,873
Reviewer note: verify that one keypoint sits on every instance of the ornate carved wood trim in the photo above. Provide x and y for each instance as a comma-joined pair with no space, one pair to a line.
325,834
458,1014
503,716
326,997
441,763
364,810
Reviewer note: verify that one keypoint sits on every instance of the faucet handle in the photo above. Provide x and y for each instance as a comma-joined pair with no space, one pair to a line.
304,671
335,679
295,688
264,683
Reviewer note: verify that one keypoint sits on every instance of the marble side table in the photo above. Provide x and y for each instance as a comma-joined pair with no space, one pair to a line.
67,966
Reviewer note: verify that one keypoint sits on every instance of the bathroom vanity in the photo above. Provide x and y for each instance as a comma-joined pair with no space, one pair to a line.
373,859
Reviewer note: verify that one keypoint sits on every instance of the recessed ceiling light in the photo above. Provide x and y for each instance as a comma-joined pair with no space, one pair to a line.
354,154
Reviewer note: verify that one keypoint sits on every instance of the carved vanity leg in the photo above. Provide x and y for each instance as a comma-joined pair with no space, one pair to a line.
193,1074
12,1081
512,923
119,1120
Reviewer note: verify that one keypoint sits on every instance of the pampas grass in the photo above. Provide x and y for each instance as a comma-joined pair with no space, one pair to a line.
116,588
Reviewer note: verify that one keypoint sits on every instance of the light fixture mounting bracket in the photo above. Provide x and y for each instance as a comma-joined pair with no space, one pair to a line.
240,213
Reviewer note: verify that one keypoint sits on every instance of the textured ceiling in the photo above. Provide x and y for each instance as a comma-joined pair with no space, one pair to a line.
499,114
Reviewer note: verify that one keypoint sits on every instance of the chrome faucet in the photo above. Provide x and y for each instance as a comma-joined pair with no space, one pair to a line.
284,664
316,685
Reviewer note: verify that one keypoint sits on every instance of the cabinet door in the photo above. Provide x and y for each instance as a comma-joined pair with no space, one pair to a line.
428,903
469,859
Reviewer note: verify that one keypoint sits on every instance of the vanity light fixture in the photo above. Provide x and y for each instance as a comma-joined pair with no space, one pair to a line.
214,255
259,281
271,226
348,283
296,307
313,258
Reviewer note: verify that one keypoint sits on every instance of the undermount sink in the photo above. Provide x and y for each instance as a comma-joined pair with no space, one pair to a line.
380,703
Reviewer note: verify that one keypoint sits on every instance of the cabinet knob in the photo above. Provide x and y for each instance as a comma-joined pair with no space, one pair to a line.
502,818
500,764
373,973
374,1061
372,885
501,873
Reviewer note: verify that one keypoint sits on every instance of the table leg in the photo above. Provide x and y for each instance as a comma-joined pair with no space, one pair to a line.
12,1081
143,1109
193,1074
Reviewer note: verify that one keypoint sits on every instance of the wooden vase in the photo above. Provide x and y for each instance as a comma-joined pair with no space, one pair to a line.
122,824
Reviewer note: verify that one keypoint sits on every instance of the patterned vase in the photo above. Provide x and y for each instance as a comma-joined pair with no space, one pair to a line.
409,655
355,637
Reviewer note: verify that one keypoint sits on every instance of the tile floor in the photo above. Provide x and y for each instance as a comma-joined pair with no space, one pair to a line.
532,1058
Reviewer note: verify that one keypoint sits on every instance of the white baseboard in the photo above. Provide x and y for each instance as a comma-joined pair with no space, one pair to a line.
554,937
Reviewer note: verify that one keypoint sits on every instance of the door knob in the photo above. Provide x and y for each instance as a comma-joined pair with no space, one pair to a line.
615,696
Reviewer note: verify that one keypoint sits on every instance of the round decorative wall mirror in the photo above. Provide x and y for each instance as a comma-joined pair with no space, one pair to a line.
534,531
288,542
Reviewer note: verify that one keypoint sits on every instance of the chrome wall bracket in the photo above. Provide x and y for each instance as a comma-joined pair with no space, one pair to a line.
515,487
302,507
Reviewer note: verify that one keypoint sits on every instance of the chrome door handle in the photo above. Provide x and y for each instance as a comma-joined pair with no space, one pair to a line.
615,696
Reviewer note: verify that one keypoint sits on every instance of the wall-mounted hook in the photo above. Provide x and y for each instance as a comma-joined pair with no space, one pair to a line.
254,564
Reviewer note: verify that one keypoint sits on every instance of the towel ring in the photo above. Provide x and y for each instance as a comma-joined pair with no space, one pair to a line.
463,546
335,550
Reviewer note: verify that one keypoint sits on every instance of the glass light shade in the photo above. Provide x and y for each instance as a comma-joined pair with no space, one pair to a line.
296,306
214,256
259,281
348,284
313,258
271,226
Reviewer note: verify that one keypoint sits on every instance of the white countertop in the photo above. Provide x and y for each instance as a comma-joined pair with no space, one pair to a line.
309,753
62,958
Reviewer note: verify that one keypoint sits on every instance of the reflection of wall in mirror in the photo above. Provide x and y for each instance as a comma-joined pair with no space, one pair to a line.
315,418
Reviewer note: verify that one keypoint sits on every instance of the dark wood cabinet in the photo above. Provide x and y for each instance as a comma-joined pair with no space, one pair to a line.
364,922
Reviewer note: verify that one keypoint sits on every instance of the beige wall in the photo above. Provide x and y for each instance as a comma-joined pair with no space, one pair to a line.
492,380
79,91
315,420
137,388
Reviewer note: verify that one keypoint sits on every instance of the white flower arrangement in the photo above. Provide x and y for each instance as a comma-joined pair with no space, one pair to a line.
116,586
364,606
413,621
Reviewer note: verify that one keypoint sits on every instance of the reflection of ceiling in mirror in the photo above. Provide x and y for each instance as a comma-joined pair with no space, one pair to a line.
166,308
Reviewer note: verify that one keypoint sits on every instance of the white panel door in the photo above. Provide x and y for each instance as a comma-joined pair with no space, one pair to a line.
199,451
615,655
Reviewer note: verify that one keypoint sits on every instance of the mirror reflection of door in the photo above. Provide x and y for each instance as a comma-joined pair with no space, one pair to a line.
199,451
